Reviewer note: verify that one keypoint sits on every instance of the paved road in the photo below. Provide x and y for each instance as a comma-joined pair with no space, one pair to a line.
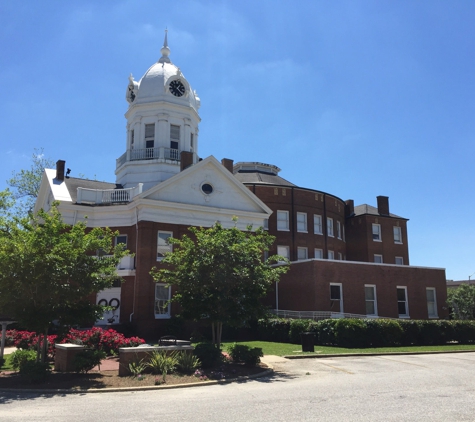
390,388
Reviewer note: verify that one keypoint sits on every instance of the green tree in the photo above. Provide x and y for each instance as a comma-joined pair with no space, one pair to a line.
26,183
220,275
462,301
49,270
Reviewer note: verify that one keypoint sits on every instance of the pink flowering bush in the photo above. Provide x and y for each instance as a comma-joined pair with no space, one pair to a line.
96,338
108,341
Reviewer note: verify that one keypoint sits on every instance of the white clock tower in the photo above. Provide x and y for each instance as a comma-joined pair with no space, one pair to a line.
162,121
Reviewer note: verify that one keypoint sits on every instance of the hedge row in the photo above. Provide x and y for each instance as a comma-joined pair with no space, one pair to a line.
362,333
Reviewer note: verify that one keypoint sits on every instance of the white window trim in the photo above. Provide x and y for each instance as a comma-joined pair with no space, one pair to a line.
340,256
299,249
304,229
380,237
338,230
375,299
315,253
436,315
399,242
341,295
159,258
376,262
330,229
401,258
317,228
287,248
162,315
121,235
287,221
403,316
331,253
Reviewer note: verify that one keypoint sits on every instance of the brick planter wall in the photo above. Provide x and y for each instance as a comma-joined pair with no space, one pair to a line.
64,356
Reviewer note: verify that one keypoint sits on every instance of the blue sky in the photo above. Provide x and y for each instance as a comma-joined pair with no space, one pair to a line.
355,98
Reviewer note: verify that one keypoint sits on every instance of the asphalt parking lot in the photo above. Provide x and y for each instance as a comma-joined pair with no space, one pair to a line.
378,388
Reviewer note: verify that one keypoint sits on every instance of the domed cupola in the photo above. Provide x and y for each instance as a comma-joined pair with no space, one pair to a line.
162,122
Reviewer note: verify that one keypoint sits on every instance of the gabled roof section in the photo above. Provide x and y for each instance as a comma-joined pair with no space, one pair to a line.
208,184
368,209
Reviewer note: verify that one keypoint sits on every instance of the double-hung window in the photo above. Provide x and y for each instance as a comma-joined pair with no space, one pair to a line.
402,305
397,234
338,230
399,260
318,253
162,301
283,220
330,226
302,254
317,224
378,259
431,302
336,297
370,299
283,251
162,244
331,255
302,222
150,139
377,232
174,136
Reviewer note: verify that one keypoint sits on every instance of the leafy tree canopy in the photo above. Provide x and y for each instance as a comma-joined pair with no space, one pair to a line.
462,301
26,183
48,269
220,274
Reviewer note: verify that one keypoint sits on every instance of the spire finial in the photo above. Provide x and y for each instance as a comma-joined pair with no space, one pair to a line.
165,50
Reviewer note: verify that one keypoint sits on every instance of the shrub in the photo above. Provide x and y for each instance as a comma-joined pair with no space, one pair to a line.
245,354
19,357
85,360
326,332
297,327
35,372
187,362
208,354
274,329
351,333
162,362
383,332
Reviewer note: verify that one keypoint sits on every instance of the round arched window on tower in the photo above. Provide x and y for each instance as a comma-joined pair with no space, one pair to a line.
207,189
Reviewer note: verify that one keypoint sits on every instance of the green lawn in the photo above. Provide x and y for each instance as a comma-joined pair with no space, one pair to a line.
285,349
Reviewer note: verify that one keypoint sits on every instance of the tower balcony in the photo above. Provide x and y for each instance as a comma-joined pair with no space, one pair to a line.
142,154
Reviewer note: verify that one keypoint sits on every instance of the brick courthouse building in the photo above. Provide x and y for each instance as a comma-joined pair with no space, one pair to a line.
345,258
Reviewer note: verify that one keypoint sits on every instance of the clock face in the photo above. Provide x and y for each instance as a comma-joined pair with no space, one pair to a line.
177,88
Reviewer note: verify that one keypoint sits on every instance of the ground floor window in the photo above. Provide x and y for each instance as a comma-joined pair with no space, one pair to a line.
336,297
162,299
402,305
370,300
431,302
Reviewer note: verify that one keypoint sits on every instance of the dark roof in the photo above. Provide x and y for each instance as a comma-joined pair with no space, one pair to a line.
261,178
73,184
368,209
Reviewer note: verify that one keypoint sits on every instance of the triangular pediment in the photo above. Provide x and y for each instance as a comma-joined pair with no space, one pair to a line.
207,184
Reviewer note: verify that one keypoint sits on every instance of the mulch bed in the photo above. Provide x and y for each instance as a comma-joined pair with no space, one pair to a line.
111,379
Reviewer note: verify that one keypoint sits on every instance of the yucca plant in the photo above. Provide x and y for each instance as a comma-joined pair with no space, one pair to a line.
162,362
137,366
187,362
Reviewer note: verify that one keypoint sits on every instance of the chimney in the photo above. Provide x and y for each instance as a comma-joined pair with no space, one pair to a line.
349,208
383,205
60,164
228,164
186,160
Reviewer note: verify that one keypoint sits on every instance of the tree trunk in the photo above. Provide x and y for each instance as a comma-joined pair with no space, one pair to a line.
44,348
219,332
213,333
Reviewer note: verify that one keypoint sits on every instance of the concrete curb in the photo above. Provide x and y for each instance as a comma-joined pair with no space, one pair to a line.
345,355
268,371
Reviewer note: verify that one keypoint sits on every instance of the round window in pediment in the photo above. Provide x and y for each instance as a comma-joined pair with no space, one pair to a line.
207,189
